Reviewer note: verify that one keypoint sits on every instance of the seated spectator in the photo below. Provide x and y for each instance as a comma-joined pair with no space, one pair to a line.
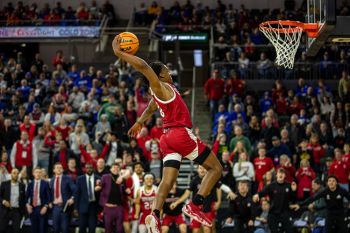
243,65
264,66
278,150
37,116
152,12
52,116
239,148
103,125
240,137
82,13
265,103
243,170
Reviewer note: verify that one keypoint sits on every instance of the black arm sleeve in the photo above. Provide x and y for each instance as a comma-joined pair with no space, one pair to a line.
314,198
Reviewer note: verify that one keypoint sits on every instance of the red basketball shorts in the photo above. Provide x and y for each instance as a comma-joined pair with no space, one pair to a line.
169,219
179,142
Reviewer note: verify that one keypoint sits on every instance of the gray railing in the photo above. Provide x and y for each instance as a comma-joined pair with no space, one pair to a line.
306,70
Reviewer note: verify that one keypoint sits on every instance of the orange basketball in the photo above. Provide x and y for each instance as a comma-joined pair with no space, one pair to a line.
129,42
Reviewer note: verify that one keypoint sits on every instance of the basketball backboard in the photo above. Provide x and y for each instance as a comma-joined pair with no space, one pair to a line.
333,27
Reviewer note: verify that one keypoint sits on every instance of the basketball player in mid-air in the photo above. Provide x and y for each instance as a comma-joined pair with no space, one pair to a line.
178,140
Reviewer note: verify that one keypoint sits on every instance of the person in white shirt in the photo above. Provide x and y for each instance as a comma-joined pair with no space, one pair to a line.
243,169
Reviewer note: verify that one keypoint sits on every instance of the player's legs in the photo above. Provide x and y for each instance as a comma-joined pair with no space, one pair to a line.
183,228
170,175
134,226
142,228
165,229
171,165
127,228
214,169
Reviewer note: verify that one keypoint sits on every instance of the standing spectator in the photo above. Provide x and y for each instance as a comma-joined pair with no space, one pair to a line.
38,62
62,196
264,66
58,59
304,175
42,150
262,164
8,135
63,154
72,170
214,89
111,199
115,148
281,194
38,199
12,197
334,196
86,199
78,134
28,127
24,154
157,130
242,209
344,86
340,169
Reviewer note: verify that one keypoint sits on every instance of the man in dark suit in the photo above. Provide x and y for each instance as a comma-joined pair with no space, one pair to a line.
62,196
12,198
86,199
38,199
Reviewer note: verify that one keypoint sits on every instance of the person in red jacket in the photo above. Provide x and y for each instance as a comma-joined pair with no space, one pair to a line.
157,130
214,89
317,151
304,175
288,167
24,154
92,156
339,169
28,127
262,164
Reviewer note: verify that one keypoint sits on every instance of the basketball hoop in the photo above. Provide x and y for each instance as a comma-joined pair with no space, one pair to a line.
285,36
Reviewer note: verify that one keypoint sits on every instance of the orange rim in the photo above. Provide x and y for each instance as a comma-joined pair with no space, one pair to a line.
311,29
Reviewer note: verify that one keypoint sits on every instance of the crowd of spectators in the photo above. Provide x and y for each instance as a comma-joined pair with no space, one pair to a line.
239,43
57,15
305,130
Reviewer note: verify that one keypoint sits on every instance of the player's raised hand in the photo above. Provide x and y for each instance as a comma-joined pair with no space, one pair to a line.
116,45
135,129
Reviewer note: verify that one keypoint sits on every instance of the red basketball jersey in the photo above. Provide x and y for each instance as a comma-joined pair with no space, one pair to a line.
174,111
146,199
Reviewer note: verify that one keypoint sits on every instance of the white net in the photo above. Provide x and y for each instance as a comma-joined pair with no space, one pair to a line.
285,39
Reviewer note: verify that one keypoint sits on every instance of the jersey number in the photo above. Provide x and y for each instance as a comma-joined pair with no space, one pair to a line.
147,205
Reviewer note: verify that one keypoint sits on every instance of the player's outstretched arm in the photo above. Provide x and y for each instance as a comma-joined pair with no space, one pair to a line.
147,113
140,65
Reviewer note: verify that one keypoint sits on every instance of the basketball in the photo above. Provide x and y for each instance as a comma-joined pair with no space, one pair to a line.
129,42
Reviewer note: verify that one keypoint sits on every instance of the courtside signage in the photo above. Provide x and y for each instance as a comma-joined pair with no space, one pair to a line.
49,32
